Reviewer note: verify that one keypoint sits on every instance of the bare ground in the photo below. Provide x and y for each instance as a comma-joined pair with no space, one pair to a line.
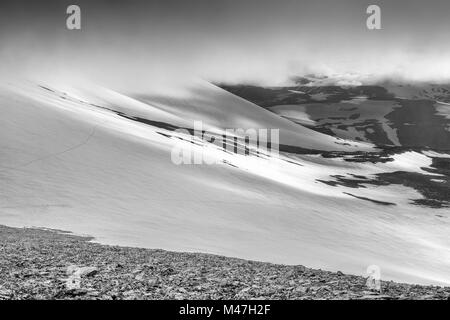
36,263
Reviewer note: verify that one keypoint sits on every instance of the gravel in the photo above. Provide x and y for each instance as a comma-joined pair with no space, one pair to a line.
50,264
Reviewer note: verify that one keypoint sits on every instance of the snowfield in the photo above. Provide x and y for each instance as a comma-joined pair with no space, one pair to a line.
70,160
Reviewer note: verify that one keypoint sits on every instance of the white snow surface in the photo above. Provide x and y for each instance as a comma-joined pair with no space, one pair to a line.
69,163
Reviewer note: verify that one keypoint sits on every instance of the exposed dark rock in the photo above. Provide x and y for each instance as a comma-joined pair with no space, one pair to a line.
372,200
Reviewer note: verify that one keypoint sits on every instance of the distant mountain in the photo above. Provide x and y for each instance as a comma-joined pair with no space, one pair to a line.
386,114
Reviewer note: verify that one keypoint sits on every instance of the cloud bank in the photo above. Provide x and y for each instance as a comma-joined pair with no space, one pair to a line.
264,42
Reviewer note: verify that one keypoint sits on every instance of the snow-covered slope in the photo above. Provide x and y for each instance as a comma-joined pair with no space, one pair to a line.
69,162
202,101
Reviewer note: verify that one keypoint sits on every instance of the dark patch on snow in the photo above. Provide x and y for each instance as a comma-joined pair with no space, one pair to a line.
48,89
372,200
342,181
436,194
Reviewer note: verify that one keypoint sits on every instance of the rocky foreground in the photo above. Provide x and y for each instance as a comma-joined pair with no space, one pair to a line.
45,264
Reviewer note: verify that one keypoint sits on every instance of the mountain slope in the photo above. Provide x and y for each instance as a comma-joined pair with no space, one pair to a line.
82,163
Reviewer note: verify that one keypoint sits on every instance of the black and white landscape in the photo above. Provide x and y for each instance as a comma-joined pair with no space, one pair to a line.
90,120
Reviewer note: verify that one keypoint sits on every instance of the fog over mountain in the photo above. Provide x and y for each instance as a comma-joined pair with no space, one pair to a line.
262,42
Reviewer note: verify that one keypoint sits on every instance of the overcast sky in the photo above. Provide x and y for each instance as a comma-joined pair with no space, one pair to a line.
263,41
